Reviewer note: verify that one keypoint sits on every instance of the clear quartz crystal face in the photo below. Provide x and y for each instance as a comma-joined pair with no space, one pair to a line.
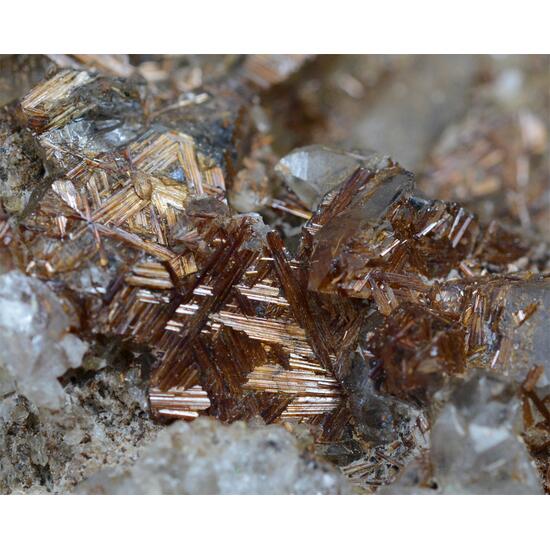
475,440
314,170
35,344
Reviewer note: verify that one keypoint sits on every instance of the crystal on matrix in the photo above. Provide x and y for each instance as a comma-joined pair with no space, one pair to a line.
418,349
357,205
477,443
355,312
232,319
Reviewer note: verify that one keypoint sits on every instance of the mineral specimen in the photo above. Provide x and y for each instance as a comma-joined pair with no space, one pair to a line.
143,209
475,445
497,163
524,324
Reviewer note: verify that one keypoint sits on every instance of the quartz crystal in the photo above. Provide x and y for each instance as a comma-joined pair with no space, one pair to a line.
475,443
313,171
207,457
476,446
35,344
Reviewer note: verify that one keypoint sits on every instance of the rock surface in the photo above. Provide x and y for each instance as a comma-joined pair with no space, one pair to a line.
104,422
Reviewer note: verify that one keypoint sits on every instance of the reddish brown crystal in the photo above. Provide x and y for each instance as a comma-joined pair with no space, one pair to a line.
418,346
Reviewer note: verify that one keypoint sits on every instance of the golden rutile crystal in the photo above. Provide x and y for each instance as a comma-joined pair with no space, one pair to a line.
389,295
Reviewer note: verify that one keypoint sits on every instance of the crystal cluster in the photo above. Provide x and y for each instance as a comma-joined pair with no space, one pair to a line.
210,458
404,332
36,346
